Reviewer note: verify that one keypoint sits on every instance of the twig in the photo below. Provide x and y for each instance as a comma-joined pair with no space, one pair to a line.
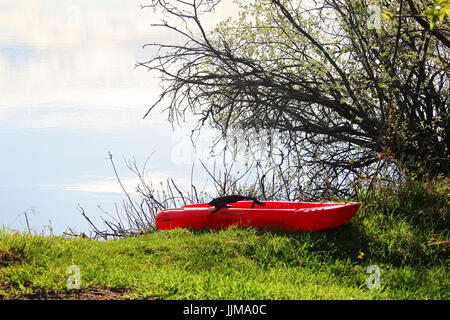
28,225
120,182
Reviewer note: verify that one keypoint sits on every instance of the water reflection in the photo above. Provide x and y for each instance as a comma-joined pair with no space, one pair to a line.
69,93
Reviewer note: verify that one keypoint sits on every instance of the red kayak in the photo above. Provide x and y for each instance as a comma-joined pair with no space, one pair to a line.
302,216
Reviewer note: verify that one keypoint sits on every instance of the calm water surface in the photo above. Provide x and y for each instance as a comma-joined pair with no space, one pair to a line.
69,94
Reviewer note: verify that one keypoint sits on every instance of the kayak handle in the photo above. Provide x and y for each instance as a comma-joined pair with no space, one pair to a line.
222,202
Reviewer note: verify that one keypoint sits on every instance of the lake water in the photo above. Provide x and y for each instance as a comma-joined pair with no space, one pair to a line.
69,94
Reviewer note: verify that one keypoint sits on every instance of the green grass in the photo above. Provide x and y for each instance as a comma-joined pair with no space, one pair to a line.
400,233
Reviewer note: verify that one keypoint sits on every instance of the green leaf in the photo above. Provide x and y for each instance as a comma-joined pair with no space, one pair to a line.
387,14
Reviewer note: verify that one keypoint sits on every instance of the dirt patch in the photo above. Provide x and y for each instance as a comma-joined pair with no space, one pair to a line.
9,257
88,294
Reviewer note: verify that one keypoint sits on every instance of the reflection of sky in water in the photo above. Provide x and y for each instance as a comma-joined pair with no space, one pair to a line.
17,55
69,94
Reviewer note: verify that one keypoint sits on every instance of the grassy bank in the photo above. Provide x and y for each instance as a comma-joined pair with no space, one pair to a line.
402,234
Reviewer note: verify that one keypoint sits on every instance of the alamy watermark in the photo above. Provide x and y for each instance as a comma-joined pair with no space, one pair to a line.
256,146
374,280
74,280
249,145
374,21
74,17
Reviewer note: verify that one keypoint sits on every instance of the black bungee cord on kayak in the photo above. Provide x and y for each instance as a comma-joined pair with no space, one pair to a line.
222,202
